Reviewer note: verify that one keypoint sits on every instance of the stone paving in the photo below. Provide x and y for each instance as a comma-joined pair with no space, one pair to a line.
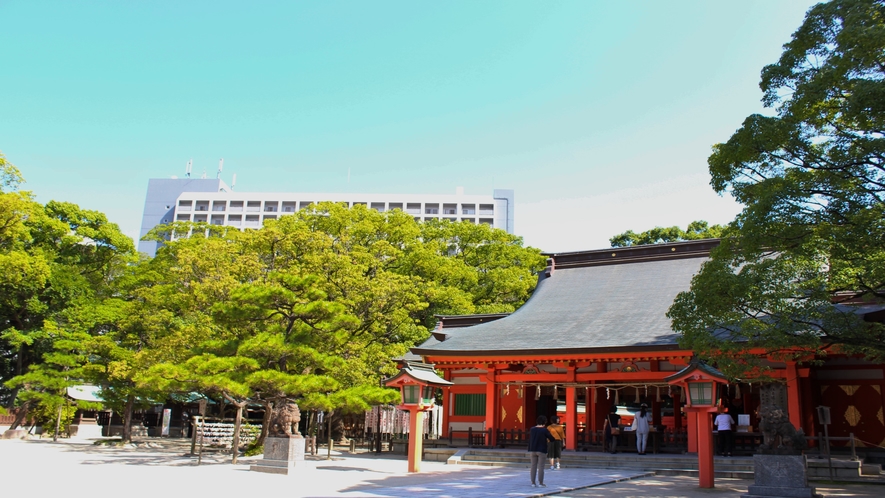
155,467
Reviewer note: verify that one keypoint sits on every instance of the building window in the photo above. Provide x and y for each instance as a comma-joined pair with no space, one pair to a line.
470,404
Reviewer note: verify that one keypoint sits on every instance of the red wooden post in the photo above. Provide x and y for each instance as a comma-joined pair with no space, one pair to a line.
571,418
794,405
416,438
692,432
491,404
705,450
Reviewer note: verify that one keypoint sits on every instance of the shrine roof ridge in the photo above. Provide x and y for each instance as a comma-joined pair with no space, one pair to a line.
633,254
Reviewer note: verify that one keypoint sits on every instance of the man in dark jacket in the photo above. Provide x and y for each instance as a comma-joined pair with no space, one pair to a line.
538,437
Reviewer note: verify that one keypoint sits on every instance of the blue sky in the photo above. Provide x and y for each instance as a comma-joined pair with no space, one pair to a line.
599,114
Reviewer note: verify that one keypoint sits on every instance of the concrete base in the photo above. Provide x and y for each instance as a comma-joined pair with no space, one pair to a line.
15,434
281,455
780,475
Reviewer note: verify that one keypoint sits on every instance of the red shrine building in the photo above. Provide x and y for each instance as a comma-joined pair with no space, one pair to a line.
594,337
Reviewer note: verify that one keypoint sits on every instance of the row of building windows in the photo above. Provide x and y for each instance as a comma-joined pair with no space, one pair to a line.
292,206
255,220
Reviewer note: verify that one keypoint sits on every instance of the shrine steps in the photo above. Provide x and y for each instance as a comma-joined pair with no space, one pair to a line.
661,464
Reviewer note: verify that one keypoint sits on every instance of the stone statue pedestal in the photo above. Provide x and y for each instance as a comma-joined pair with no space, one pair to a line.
281,455
780,475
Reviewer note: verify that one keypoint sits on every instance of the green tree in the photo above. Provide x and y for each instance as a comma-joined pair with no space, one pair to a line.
812,181
52,257
696,230
44,385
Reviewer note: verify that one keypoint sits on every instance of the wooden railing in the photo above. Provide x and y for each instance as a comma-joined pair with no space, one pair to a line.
512,437
474,439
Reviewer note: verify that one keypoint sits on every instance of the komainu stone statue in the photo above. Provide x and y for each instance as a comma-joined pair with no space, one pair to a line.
778,434
284,420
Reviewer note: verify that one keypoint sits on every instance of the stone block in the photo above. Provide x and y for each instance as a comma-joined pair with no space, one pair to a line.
281,455
780,470
780,475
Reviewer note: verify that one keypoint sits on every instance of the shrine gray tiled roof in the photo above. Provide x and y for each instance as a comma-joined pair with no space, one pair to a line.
596,307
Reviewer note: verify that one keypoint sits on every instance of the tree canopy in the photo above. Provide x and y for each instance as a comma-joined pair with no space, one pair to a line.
312,307
696,230
812,179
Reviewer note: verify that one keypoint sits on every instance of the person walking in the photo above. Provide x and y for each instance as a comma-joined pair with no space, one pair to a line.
725,424
538,437
641,425
554,449
610,430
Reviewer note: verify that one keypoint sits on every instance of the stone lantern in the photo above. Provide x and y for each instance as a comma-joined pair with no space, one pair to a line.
701,383
417,383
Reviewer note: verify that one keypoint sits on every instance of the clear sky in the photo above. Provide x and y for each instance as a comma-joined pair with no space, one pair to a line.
599,114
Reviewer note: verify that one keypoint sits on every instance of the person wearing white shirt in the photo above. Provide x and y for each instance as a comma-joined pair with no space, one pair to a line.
724,424
641,428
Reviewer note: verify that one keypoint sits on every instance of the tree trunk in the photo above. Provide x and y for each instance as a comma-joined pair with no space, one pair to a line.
57,423
235,445
329,437
21,414
265,424
127,419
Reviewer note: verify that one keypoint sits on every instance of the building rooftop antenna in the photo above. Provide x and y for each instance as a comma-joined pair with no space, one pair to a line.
187,168
220,167
233,182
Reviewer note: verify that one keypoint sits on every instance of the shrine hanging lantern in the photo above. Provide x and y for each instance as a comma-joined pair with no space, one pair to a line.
417,383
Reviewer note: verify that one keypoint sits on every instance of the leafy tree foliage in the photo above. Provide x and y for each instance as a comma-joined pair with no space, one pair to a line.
52,257
313,306
812,179
696,230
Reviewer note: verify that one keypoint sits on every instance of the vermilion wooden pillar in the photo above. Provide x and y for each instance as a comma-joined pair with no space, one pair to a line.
794,402
692,431
491,404
705,449
571,418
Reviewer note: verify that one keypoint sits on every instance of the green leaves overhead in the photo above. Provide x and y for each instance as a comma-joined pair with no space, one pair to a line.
812,180
696,230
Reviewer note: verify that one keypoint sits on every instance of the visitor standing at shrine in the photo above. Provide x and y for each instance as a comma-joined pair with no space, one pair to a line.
554,449
612,429
724,424
538,437
641,427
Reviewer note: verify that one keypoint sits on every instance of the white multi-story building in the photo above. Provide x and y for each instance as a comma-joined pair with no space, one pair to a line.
212,201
